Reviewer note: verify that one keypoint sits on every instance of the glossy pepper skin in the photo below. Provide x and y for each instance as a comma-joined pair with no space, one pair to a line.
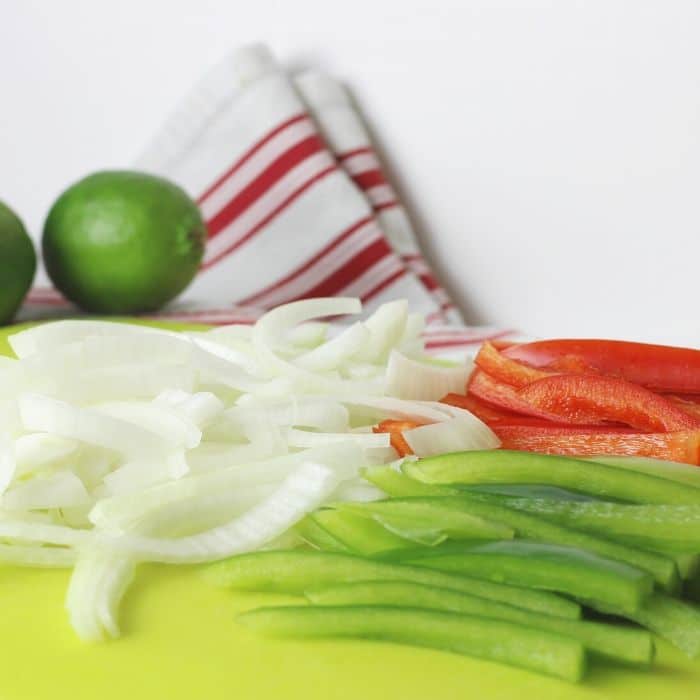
496,640
587,399
503,369
659,367
613,641
677,446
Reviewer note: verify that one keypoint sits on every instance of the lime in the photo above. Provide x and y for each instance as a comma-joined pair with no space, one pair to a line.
17,263
121,242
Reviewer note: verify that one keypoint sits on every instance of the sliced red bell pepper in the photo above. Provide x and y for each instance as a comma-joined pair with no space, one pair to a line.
395,428
590,399
658,367
491,414
503,369
501,344
484,387
479,408
679,446
691,407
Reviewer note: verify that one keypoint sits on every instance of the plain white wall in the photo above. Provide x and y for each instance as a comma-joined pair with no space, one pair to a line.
549,151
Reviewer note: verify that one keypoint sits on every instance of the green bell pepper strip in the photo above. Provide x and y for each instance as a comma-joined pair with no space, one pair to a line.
526,526
530,491
687,563
425,533
548,567
672,471
296,571
360,535
650,523
318,537
675,621
513,467
396,483
455,523
613,641
493,640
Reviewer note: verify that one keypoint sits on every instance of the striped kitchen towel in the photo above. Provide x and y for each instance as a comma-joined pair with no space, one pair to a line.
295,200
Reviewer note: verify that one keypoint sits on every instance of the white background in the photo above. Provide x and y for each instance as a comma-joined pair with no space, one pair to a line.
550,152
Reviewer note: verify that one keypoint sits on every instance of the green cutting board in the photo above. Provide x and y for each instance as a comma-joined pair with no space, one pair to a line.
180,641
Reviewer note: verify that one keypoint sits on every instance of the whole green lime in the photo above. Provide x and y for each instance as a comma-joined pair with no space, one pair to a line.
17,263
122,242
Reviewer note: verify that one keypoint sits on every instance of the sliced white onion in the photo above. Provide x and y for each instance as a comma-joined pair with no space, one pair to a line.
301,492
358,490
230,354
188,517
201,408
336,351
307,335
270,330
8,462
97,585
386,327
118,575
38,450
323,414
43,533
43,414
81,597
410,379
47,336
132,477
216,455
453,435
40,557
344,458
62,489
307,438
388,407
158,419
232,331
128,381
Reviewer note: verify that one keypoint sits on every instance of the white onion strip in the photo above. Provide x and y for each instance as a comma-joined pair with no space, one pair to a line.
302,491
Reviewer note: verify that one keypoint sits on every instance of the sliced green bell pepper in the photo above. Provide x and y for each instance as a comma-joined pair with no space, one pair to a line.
513,467
296,571
396,483
613,641
672,471
455,523
527,526
318,537
651,524
494,640
676,621
359,535
548,567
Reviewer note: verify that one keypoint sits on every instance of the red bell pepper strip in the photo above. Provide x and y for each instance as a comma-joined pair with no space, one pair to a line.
505,370
593,398
479,408
395,429
659,367
501,344
679,446
691,407
491,414
484,387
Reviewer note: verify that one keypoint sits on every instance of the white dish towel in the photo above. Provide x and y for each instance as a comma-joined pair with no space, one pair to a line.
295,200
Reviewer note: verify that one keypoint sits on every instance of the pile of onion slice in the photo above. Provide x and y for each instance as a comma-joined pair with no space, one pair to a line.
123,443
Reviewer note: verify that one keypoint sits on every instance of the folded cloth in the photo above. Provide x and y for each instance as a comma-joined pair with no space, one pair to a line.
295,201
348,137
284,220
